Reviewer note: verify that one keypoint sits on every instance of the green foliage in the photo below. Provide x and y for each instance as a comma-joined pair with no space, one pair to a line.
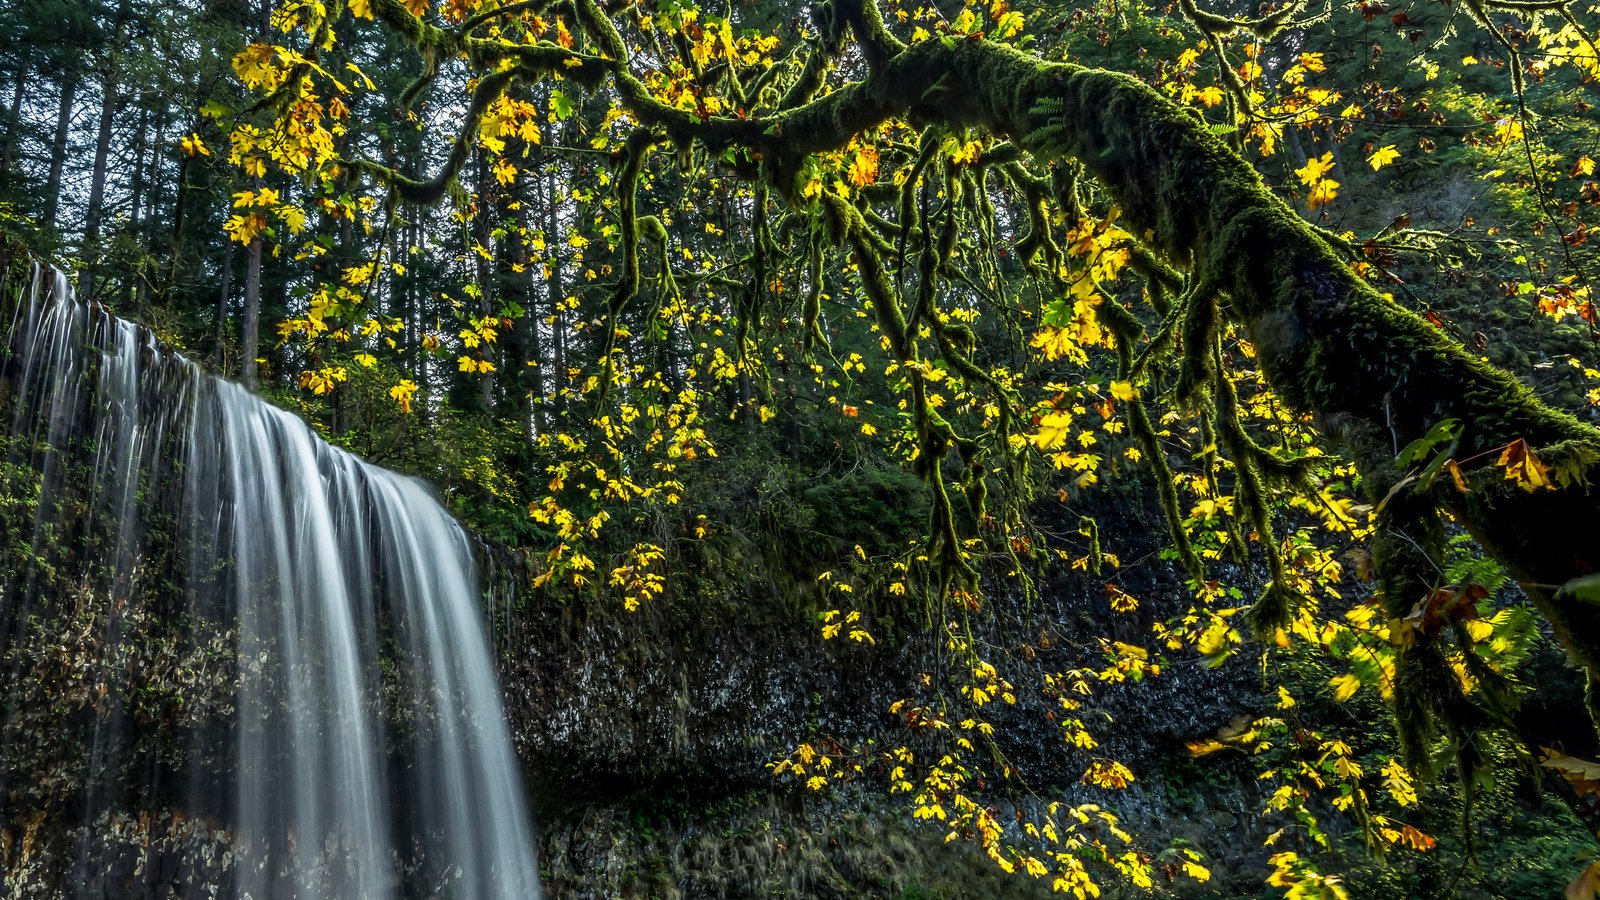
874,508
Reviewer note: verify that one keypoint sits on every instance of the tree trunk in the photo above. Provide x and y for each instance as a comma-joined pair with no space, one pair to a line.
153,281
513,282
415,291
153,179
552,293
8,153
89,249
250,327
110,100
250,330
179,205
1376,375
220,330
482,226
533,373
58,150
136,194
141,146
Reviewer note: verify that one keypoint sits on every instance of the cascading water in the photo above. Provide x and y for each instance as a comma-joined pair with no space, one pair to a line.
234,660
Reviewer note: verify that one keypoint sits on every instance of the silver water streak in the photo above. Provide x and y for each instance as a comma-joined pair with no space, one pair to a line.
368,754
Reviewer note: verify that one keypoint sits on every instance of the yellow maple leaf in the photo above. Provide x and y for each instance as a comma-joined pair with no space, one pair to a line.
1508,131
244,229
293,217
965,153
1382,157
1523,468
1345,687
361,9
1108,774
1398,781
255,67
1058,342
193,146
1584,166
1053,430
1322,193
1315,168
1008,25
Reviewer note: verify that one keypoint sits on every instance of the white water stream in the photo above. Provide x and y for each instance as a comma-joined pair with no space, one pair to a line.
367,754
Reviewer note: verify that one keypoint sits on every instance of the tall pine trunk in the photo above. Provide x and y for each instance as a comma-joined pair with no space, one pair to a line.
514,286
110,100
89,249
148,233
8,152
250,332
250,326
141,146
221,317
58,149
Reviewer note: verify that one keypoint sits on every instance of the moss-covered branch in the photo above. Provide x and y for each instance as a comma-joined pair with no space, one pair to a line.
1374,375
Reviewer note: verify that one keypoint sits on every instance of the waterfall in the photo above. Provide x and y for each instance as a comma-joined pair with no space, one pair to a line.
234,660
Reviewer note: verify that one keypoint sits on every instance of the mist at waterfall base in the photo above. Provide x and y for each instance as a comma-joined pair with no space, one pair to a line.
234,660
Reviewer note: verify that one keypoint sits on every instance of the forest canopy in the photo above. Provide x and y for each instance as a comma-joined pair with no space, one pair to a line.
1313,278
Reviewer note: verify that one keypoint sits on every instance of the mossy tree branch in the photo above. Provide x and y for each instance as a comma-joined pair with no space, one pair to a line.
1374,375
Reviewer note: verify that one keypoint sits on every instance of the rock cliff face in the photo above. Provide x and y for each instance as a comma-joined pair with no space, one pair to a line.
646,738
709,685
647,735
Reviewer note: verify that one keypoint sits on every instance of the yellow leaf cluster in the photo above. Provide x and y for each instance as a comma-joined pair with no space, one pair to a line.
864,166
403,394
